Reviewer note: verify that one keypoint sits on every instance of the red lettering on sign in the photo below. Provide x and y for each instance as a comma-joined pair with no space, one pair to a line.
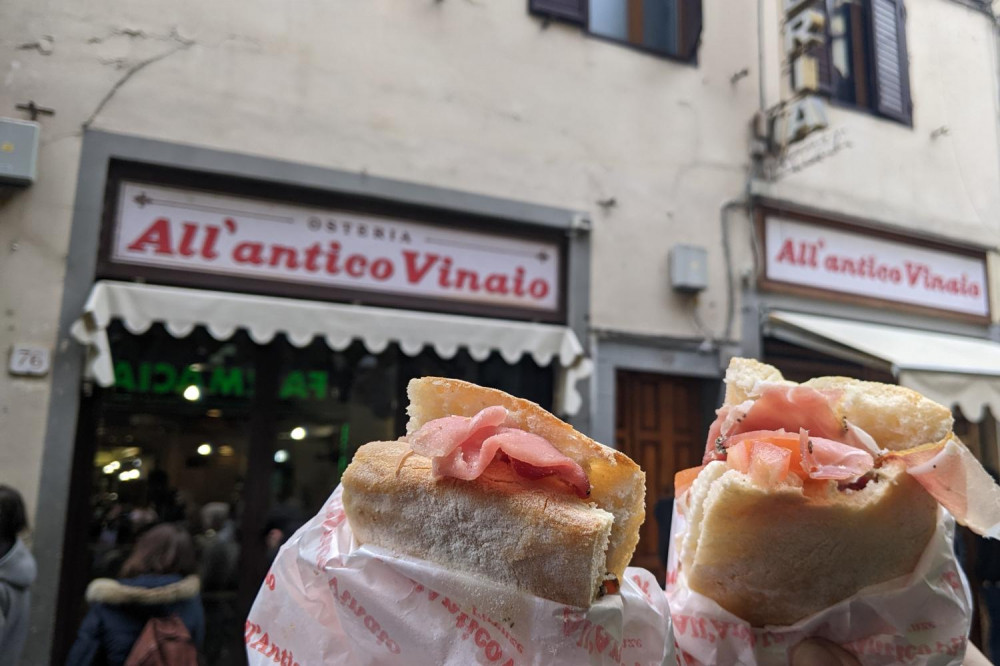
157,236
414,272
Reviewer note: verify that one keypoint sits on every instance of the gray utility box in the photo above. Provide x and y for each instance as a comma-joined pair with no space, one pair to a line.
688,268
18,151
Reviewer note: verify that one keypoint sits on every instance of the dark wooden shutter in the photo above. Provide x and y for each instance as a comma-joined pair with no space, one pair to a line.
890,66
689,26
566,10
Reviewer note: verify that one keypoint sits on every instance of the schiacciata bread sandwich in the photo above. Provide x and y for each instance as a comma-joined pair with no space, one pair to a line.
811,492
496,487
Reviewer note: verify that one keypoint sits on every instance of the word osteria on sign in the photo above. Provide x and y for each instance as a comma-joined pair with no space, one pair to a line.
851,263
173,228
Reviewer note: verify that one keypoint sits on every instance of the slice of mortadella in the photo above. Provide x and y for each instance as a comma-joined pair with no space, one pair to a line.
463,447
951,474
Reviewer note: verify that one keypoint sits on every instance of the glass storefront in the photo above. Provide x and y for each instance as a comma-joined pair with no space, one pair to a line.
242,443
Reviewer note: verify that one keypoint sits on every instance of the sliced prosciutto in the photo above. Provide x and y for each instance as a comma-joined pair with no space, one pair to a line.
784,407
827,459
463,447
953,476
773,457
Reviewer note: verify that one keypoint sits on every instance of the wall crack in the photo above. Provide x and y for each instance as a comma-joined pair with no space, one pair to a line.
132,71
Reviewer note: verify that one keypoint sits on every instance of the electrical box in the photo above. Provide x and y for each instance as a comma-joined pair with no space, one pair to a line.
18,151
688,268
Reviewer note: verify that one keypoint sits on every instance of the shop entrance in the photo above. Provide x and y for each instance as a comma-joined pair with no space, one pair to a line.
239,442
660,425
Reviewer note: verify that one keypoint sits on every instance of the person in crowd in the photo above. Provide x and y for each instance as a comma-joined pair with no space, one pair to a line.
987,570
157,580
17,573
219,567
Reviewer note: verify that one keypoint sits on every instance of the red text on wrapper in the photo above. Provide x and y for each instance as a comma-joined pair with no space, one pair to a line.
265,646
901,654
594,638
471,628
712,630
370,623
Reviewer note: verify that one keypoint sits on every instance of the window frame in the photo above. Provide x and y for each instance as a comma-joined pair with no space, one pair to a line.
536,8
864,73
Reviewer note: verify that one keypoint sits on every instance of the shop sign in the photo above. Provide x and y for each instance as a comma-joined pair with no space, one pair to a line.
843,261
162,378
197,232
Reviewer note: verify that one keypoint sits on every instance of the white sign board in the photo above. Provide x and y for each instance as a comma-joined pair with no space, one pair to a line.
210,233
852,263
25,360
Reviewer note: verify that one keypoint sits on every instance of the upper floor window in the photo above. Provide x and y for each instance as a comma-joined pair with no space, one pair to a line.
667,27
862,61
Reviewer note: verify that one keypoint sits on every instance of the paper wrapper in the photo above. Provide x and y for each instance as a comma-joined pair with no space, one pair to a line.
921,619
327,600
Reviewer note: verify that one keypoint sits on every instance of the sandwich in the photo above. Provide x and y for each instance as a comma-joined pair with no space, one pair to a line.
811,492
496,487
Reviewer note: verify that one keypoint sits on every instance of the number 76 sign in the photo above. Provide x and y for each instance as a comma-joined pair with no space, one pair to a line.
26,360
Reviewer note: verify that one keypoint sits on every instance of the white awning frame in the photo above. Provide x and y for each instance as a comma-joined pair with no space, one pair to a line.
953,370
180,310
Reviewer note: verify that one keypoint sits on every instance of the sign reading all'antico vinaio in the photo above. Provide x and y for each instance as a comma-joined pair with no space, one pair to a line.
852,263
165,227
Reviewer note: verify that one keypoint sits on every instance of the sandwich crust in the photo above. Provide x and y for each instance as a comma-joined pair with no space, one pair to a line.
511,531
776,557
618,485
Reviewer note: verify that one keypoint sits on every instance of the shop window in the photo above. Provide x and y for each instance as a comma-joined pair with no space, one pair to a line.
666,27
240,443
863,61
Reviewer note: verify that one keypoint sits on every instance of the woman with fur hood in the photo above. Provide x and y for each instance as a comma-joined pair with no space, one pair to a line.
155,581
17,573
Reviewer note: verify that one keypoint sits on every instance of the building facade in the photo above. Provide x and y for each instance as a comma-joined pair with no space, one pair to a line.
659,155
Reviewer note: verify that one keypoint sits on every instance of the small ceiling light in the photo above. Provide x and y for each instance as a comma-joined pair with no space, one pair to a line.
124,476
298,432
192,393
205,449
281,456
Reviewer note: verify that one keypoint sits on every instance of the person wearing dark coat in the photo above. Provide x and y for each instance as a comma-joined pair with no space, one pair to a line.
17,573
155,581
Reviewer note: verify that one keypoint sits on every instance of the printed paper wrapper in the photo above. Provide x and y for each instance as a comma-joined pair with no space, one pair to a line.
327,600
921,619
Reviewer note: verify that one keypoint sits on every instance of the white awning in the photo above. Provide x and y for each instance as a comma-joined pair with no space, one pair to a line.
949,369
180,310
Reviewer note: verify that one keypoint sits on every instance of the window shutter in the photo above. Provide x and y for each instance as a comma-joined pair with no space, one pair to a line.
890,65
821,52
567,10
689,22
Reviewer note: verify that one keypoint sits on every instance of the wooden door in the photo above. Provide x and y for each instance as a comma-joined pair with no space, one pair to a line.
659,426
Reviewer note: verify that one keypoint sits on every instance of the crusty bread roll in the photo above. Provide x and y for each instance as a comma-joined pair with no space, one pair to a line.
774,556
529,534
500,526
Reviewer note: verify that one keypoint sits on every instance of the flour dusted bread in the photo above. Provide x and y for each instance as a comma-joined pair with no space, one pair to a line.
500,526
776,553
532,534
776,557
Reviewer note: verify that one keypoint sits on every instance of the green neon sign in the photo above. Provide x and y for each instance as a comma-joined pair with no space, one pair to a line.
160,378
